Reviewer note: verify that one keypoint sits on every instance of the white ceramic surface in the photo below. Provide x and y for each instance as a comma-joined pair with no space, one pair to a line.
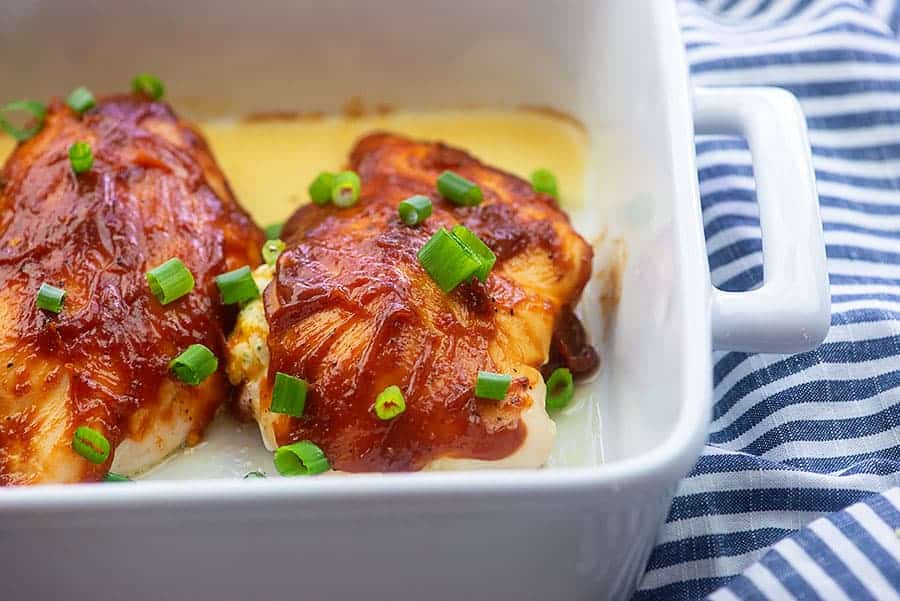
791,311
558,534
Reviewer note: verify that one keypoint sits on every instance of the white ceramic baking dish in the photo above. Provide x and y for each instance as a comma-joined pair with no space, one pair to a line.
555,534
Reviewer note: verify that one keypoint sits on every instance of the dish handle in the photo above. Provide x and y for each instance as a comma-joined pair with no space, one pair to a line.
791,311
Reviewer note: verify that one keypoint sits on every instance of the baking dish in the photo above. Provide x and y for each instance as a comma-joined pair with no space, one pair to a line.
575,533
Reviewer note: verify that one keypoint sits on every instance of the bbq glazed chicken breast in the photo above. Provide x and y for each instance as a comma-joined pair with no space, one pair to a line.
349,308
153,192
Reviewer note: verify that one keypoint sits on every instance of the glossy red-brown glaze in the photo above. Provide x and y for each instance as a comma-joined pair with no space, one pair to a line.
570,348
154,192
352,311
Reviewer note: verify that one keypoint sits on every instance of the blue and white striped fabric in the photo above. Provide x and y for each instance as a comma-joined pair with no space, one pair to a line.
795,495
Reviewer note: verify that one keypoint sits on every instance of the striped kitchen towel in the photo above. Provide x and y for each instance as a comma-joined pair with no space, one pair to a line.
796,493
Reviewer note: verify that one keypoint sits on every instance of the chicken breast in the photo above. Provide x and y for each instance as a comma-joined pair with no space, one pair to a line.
154,192
351,310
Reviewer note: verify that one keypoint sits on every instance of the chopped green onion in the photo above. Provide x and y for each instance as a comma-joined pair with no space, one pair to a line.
254,474
36,109
81,157
50,298
459,190
345,189
302,458
237,286
194,365
485,256
288,395
414,210
114,477
170,281
148,85
492,386
90,444
447,260
320,188
389,403
80,99
560,388
273,231
544,181
271,250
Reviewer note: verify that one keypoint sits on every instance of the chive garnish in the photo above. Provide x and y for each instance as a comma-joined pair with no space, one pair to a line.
36,109
194,364
90,444
414,210
486,257
271,251
447,260
273,231
544,181
237,286
345,189
288,395
81,157
320,188
492,386
50,298
302,458
170,281
389,403
560,388
148,85
80,100
458,189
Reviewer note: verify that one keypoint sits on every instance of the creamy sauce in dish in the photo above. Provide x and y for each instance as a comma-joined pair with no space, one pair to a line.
269,164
